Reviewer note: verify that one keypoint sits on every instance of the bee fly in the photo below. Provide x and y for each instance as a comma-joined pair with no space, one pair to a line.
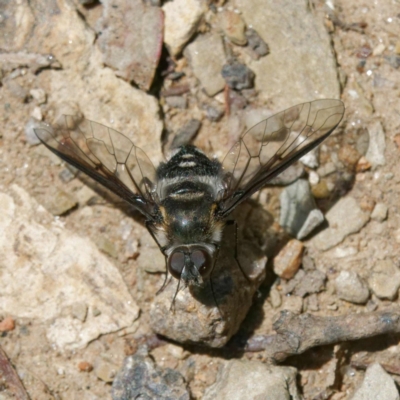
187,200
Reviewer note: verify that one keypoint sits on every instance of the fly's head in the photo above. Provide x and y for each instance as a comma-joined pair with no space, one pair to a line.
193,263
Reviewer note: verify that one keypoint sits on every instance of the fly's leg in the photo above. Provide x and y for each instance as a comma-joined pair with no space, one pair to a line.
233,222
211,282
148,226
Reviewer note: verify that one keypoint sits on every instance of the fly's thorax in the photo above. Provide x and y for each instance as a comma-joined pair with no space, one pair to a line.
188,186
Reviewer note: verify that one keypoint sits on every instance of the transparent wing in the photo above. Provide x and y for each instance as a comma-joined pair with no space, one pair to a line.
105,155
268,148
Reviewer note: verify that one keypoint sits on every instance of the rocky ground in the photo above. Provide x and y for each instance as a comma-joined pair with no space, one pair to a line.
79,272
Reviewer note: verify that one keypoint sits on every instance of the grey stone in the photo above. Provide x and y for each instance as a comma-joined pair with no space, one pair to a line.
385,279
181,20
344,218
299,215
351,288
58,267
256,44
312,282
253,380
140,378
301,62
214,113
186,134
237,75
288,176
67,174
377,385
176,101
314,219
206,57
377,145
380,212
131,39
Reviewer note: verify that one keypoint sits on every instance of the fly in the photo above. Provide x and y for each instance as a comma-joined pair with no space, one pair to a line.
187,200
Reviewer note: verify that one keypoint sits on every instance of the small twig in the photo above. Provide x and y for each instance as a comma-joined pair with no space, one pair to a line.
10,378
298,333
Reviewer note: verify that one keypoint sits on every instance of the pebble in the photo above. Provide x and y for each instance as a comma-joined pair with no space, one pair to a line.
206,57
321,190
79,311
85,366
393,60
67,174
39,95
314,219
243,379
312,282
310,159
59,202
363,165
37,113
275,298
177,102
299,215
377,145
214,113
105,371
351,288
233,27
288,260
344,218
30,127
131,39
236,101
181,20
141,378
106,246
7,324
237,75
186,134
384,280
377,385
313,178
326,169
256,44
380,212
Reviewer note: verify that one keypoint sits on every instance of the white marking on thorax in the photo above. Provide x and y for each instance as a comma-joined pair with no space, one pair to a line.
187,155
185,164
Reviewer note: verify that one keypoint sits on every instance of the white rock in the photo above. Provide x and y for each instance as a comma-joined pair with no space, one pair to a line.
251,380
206,57
181,19
301,65
377,385
344,218
46,269
377,145
351,288
385,279
379,212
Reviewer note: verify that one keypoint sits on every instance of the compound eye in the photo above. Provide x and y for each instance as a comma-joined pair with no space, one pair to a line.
176,262
202,260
